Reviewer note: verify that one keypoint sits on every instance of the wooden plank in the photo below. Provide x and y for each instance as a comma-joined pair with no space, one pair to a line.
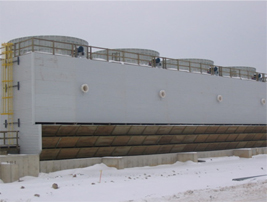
200,129
67,142
136,150
104,141
189,139
165,149
121,130
104,130
87,152
121,140
68,153
136,130
153,139
49,142
150,130
165,139
86,141
86,130
49,154
189,129
104,151
67,130
177,139
164,130
151,149
201,138
222,137
120,151
176,130
178,148
49,130
136,140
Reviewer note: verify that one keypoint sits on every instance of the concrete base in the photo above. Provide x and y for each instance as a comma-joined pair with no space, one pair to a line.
243,153
9,172
145,160
52,166
28,165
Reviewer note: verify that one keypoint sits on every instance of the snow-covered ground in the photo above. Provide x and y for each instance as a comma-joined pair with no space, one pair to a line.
211,180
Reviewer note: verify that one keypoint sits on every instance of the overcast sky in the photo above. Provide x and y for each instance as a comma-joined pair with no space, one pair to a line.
229,33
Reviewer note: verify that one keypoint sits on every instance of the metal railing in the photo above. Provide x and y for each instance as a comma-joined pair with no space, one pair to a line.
7,138
127,57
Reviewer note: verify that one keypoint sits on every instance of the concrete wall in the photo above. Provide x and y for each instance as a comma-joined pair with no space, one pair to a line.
129,94
146,160
28,165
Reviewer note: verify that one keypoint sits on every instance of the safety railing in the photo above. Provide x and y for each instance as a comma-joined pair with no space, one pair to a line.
128,57
9,138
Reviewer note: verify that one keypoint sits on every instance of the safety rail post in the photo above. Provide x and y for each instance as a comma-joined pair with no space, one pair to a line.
200,68
32,44
14,45
239,73
87,49
189,66
231,72
123,57
53,46
107,55
72,50
178,68
19,48
138,59
91,57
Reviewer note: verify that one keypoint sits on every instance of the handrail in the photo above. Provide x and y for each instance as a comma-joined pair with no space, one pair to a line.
4,138
34,45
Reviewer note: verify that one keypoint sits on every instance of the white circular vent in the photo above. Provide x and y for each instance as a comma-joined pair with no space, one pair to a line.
162,93
219,98
85,88
263,101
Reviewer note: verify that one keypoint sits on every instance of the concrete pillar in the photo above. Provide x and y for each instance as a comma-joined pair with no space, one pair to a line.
243,153
117,162
9,172
187,156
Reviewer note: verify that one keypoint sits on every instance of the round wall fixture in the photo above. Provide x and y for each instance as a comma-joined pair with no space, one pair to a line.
162,93
263,101
85,88
219,98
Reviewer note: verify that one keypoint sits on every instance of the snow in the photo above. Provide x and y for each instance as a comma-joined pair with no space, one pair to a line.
211,179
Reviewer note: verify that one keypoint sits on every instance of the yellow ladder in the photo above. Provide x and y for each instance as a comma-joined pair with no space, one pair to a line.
7,87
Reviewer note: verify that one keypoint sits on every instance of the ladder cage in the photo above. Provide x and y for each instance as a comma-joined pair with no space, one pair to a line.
7,87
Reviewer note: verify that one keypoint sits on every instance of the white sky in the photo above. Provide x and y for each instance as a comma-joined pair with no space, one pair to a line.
231,33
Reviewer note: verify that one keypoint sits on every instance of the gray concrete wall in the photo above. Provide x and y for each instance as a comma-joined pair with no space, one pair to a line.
28,165
130,94
52,166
